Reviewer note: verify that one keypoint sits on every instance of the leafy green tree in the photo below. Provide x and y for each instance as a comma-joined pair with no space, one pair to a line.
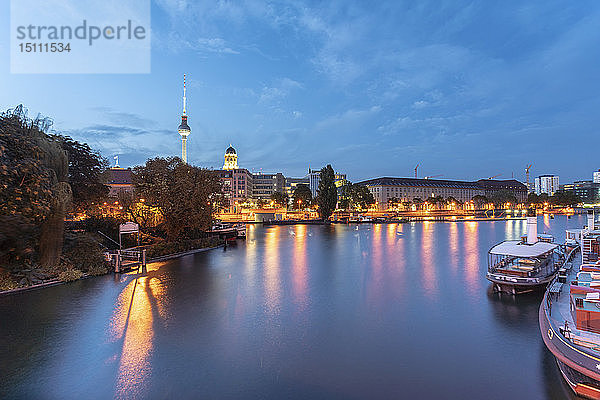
360,197
452,200
86,169
280,198
327,193
260,203
479,201
533,198
181,192
418,202
543,198
302,196
565,198
503,196
394,202
437,201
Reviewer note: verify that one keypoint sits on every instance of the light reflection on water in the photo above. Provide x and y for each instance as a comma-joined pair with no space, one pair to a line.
343,311
429,277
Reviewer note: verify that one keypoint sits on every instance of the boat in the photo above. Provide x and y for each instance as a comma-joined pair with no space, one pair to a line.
241,230
526,265
225,231
569,316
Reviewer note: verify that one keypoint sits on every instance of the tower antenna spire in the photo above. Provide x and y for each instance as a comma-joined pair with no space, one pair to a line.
184,94
184,129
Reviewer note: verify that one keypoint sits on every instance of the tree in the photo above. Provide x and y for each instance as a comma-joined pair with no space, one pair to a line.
182,193
543,198
565,198
280,198
533,198
260,203
394,202
453,201
503,196
479,201
34,174
418,202
327,193
138,211
86,169
302,196
359,196
437,201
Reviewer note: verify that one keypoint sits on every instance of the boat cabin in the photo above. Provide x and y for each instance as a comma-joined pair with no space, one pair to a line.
519,259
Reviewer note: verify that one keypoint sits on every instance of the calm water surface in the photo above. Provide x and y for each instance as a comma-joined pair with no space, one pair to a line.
320,312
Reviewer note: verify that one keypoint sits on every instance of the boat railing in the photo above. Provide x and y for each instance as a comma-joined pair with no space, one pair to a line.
550,293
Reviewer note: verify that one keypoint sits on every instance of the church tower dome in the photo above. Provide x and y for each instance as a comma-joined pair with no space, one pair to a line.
230,159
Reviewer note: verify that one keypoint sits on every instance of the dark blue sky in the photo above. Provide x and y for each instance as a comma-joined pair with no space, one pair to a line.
467,89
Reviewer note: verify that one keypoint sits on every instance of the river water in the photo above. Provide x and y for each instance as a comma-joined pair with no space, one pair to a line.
294,312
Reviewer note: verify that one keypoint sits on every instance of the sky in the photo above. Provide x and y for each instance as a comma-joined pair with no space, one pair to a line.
465,89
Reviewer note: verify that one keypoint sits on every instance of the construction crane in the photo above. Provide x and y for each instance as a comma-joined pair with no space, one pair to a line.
527,174
433,176
495,176
416,167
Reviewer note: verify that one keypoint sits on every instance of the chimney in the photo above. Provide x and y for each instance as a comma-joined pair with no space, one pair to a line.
531,226
590,220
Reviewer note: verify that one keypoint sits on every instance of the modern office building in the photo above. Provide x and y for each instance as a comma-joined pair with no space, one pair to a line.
314,177
596,176
291,183
408,189
264,185
588,191
546,184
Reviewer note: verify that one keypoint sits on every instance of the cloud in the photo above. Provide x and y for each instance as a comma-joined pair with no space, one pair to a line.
280,90
214,45
349,120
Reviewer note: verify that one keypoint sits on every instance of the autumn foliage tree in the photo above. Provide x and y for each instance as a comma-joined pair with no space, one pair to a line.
35,192
85,175
183,194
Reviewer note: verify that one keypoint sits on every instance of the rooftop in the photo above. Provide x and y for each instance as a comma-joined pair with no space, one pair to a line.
518,249
480,184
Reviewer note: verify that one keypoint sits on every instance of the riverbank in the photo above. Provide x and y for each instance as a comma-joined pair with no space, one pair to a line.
55,282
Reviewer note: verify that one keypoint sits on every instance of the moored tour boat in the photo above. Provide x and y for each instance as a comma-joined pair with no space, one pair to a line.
569,317
520,266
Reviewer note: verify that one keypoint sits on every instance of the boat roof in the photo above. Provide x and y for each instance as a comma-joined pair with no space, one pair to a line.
518,249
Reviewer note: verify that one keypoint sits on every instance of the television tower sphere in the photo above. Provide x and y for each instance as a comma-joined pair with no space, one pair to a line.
184,129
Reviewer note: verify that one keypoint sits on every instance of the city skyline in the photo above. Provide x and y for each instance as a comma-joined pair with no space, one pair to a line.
467,91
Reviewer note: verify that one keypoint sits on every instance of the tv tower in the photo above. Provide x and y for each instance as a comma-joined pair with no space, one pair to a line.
184,129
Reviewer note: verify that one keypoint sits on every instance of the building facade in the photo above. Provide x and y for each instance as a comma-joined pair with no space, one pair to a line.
546,184
588,191
119,180
264,185
492,186
237,183
596,176
314,178
291,183
231,159
408,189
